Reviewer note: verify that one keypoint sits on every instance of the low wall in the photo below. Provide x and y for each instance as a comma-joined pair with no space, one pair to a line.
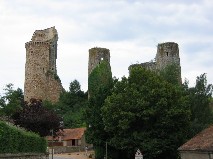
65,149
196,155
24,156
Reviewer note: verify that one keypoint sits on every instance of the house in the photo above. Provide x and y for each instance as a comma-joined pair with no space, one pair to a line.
69,138
199,147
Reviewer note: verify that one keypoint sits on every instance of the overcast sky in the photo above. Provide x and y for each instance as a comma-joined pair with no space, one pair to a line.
130,29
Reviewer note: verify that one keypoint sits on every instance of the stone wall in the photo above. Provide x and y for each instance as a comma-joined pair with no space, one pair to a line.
65,149
40,68
24,156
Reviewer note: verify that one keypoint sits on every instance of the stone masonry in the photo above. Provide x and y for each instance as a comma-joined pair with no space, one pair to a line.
167,54
96,55
41,79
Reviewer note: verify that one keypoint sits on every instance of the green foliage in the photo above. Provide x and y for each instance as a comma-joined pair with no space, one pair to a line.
71,106
100,77
16,140
100,83
34,117
200,98
75,87
54,74
12,101
171,73
148,113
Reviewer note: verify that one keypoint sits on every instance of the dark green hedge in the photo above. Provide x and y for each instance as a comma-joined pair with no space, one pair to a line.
16,140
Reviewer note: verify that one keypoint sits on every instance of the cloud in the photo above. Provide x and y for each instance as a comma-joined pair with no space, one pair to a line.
131,29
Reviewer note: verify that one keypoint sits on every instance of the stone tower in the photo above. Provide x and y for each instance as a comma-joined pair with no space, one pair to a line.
167,53
96,55
41,79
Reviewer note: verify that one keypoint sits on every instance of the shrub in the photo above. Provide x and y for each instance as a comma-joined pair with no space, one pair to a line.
16,140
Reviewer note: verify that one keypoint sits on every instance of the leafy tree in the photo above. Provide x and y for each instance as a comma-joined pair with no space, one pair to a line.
75,87
34,117
148,113
71,106
12,101
200,98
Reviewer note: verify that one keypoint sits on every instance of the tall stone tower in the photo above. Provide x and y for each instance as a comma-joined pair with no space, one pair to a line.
96,55
167,53
41,79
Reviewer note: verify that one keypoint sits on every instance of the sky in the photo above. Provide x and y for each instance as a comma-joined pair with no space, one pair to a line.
130,29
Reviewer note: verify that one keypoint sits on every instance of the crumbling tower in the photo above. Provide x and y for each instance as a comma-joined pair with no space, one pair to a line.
41,79
99,58
167,53
96,55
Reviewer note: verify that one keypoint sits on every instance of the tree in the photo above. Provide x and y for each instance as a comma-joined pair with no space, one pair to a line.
12,101
200,98
71,106
148,113
34,117
75,87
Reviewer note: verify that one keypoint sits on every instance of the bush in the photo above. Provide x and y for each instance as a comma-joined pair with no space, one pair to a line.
16,140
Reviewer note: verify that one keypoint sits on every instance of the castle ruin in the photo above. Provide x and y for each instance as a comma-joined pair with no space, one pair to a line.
41,79
96,55
167,54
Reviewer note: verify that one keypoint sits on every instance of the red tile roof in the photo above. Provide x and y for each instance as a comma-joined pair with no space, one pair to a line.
69,134
201,142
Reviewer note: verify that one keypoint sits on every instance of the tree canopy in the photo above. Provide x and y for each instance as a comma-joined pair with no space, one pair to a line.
71,106
200,98
11,101
148,113
34,117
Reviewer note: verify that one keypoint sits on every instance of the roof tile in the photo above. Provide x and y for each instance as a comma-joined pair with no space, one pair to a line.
201,142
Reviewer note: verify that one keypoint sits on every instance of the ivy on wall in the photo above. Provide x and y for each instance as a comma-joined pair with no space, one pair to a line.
100,77
100,83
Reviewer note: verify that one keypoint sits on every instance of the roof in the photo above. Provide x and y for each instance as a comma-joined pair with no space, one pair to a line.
201,142
69,134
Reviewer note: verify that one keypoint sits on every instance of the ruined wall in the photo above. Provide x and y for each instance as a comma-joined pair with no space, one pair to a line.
96,55
167,54
40,67
148,65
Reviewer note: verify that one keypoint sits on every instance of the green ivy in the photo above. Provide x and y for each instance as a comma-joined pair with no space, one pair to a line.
100,83
100,77
56,77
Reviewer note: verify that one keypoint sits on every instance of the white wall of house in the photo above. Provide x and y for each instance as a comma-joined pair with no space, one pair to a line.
196,155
